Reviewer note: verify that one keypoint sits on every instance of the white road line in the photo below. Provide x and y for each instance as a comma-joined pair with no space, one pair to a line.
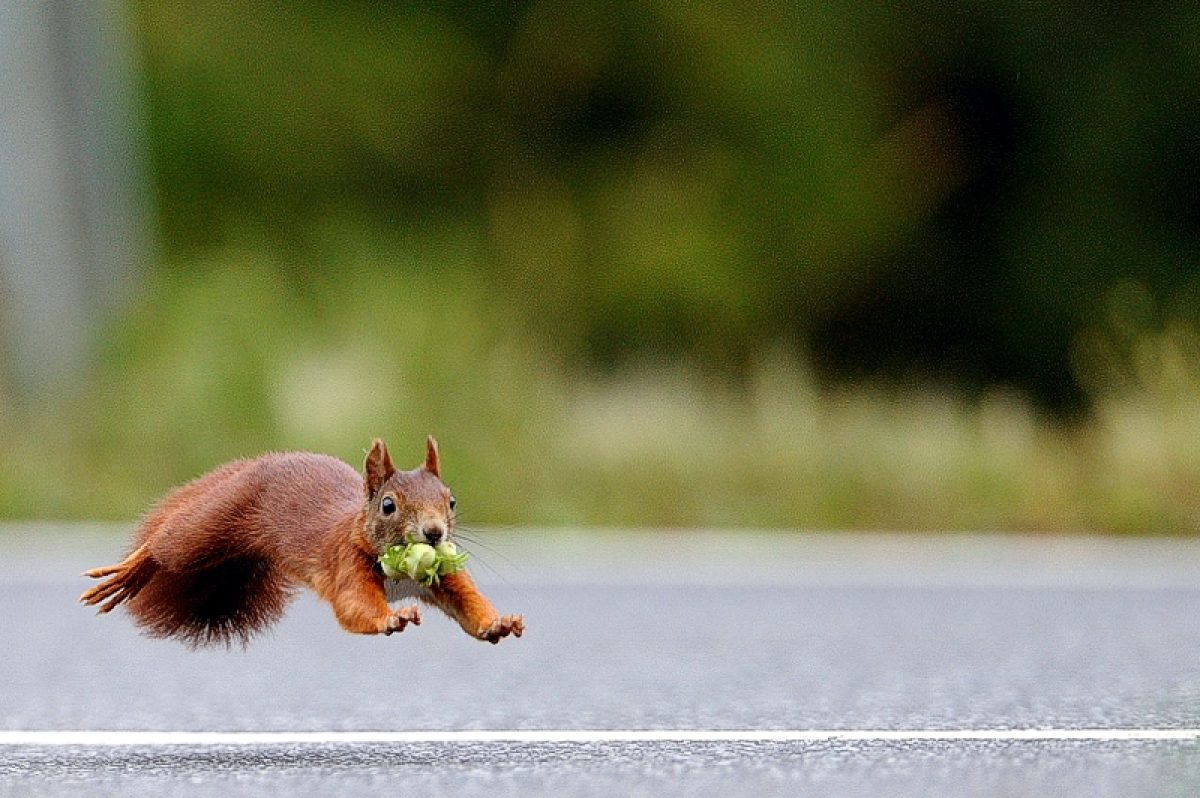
162,738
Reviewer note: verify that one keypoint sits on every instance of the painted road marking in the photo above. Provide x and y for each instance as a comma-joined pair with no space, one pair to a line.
216,738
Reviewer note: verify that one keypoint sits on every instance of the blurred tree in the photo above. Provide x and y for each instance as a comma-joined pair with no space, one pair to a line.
906,190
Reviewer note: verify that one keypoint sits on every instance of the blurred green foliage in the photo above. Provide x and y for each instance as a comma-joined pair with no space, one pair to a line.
895,265
944,191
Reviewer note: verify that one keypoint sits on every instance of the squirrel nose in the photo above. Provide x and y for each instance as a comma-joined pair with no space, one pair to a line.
433,532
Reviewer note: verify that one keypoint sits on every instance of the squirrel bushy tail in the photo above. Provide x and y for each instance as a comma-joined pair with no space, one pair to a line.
212,606
202,594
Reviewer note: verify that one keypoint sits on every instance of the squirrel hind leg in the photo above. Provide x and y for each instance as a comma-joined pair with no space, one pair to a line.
121,582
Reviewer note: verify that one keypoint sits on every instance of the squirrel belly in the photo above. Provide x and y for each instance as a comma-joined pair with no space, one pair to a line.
220,558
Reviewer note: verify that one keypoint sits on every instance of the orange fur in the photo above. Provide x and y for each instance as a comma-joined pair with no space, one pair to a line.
220,558
457,596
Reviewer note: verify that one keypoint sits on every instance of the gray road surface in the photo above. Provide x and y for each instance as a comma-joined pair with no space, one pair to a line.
701,632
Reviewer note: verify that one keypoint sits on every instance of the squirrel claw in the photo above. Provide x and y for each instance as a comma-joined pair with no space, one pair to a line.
503,627
401,618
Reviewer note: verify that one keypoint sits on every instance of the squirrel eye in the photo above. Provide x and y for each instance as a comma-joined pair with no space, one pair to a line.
388,505
452,502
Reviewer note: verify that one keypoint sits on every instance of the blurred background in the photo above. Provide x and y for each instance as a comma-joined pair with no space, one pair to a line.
896,265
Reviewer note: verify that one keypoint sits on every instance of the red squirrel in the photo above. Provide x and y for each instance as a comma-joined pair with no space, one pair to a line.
219,558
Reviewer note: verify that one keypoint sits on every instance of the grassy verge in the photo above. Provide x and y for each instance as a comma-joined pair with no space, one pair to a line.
228,356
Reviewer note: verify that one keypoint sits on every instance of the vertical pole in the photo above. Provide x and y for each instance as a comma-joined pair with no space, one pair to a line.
72,197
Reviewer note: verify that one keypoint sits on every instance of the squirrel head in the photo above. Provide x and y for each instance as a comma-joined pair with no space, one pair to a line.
400,505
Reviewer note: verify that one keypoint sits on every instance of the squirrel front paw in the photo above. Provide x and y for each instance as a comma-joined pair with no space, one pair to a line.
503,626
401,618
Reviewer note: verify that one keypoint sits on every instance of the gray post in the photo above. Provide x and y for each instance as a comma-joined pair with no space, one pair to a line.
72,198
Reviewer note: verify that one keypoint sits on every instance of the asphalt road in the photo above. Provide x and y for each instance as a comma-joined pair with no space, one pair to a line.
668,631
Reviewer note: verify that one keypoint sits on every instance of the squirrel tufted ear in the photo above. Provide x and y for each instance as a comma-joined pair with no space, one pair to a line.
431,457
377,468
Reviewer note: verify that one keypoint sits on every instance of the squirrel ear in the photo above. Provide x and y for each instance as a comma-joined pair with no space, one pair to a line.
377,468
431,457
